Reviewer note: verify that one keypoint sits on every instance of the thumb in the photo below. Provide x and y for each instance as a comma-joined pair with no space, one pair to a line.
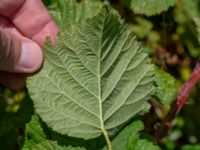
17,54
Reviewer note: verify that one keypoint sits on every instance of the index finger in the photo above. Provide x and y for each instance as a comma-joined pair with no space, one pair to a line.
31,18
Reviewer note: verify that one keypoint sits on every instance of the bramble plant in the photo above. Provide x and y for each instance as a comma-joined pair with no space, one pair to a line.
104,74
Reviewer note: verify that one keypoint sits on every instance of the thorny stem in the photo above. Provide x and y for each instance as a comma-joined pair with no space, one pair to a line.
181,100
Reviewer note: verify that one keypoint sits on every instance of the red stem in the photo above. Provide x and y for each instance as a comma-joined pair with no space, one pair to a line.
187,87
181,100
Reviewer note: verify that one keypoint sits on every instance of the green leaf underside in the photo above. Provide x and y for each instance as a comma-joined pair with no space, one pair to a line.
150,7
95,78
72,12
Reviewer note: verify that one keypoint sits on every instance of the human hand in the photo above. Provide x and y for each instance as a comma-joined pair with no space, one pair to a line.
24,26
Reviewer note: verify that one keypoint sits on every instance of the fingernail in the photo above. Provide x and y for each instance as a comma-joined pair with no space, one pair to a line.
30,58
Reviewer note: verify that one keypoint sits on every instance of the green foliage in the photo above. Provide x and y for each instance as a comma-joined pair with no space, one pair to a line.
121,141
38,136
134,142
142,28
92,83
34,133
193,11
72,12
165,87
129,139
149,7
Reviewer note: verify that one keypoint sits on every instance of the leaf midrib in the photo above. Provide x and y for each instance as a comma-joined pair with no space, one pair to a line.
104,131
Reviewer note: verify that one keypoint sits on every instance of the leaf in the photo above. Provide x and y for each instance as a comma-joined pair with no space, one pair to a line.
38,137
165,87
120,141
72,12
129,139
95,79
34,133
149,7
142,145
134,142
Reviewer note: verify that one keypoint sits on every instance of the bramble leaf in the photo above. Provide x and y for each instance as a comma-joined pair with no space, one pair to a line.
95,79
34,133
129,139
149,7
72,12
121,140
165,87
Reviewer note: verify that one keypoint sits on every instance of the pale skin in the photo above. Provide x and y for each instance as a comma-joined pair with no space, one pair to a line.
24,26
